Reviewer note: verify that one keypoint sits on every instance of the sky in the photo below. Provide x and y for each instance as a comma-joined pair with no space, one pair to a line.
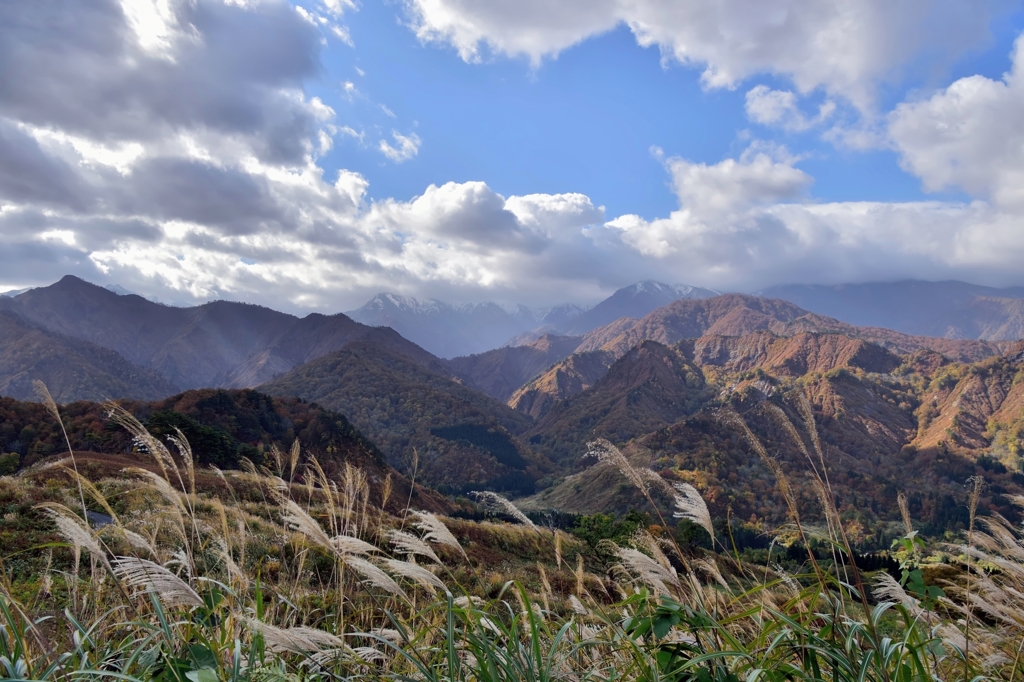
308,155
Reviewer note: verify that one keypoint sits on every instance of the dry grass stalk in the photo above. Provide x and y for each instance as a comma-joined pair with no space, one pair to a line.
498,504
408,544
901,499
417,574
691,506
141,573
435,531
43,393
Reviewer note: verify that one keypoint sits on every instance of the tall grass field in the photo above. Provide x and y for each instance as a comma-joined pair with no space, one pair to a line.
279,573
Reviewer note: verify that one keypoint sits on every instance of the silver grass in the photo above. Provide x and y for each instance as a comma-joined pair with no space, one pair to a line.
417,574
465,602
391,635
604,451
143,438
407,543
691,506
709,568
497,503
368,654
160,484
887,589
140,573
296,640
577,606
138,541
69,527
372,575
298,519
647,570
348,545
435,531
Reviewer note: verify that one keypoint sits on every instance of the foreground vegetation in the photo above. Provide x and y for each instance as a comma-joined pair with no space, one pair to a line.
263,578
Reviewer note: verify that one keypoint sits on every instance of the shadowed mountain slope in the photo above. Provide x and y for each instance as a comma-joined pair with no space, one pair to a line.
462,438
71,368
216,344
500,372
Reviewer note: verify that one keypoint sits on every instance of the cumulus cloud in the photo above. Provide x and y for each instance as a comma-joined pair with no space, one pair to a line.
747,223
969,135
405,147
780,108
176,152
845,48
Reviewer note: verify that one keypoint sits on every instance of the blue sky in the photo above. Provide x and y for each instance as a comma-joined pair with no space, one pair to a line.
309,155
586,120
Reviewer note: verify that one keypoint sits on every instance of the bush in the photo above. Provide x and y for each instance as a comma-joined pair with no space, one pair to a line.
9,462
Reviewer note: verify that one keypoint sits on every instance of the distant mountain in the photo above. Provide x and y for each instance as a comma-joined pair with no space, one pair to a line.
463,438
635,301
953,310
451,331
500,372
13,292
448,330
118,289
71,368
218,344
729,315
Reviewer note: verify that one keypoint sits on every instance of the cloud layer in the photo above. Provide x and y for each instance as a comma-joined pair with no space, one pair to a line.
845,47
171,146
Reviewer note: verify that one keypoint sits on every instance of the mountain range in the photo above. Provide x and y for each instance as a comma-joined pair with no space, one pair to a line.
517,418
952,310
455,330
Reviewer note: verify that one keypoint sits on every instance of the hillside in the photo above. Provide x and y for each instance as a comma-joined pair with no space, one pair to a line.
501,372
218,344
565,378
462,438
953,310
924,428
71,368
221,426
731,315
648,388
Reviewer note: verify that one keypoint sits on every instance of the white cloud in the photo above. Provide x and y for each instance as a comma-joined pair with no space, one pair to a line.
405,147
780,108
746,223
189,175
969,136
845,47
